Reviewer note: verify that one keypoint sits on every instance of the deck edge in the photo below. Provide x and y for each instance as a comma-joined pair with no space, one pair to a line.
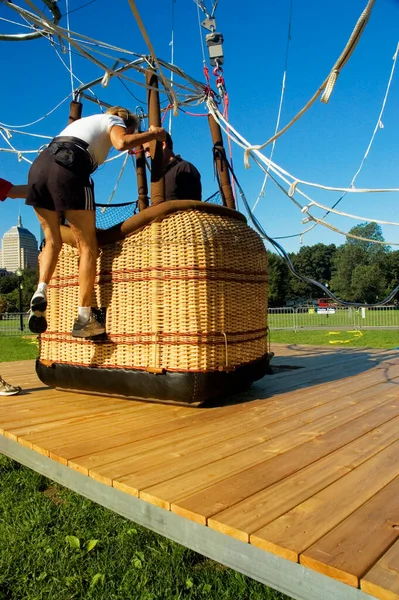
290,578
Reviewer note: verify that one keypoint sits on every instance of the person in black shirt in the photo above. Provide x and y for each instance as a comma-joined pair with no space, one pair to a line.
182,179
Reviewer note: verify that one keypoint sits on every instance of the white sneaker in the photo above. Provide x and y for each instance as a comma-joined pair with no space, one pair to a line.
37,320
6,389
38,301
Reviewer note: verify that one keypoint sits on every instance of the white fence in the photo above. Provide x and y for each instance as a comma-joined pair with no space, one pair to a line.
295,319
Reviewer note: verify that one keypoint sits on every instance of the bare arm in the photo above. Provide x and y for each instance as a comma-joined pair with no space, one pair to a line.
18,191
126,141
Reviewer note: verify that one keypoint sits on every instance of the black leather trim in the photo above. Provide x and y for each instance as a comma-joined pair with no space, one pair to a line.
164,387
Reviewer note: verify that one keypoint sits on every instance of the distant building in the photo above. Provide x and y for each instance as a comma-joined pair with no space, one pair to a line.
19,248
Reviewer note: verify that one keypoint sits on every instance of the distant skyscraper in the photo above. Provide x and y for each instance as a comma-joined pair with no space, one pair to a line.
19,248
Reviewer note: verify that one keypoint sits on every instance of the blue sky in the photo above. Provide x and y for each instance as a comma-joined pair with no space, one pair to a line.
325,146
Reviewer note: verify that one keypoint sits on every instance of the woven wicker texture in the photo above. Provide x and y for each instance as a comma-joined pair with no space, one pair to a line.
188,293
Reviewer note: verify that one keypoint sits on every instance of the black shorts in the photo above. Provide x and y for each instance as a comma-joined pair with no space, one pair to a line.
55,187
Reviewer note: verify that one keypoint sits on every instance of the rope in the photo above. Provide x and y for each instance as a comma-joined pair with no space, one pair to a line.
279,170
378,126
262,191
258,157
172,57
22,37
330,80
116,184
37,120
9,131
173,99
308,280
343,214
63,34
69,46
200,35
18,152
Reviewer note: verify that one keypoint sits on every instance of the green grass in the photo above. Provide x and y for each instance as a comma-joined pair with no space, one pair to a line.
18,348
57,545
347,337
342,318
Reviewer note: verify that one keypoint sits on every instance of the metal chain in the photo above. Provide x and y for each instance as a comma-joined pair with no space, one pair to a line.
202,6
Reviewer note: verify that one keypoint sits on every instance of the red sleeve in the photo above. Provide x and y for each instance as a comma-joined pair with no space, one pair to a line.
5,187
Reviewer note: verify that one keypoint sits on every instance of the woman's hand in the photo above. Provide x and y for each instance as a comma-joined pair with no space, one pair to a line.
159,131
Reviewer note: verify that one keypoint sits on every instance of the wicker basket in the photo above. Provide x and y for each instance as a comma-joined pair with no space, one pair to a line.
185,294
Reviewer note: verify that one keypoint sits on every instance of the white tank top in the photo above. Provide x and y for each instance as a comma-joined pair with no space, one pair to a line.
94,131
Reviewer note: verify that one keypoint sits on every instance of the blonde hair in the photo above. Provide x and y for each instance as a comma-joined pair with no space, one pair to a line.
129,118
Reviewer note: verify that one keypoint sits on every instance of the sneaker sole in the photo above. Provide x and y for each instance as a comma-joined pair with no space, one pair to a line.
38,304
10,393
83,334
37,322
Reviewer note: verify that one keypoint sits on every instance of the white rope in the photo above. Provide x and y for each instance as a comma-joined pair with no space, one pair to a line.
37,120
55,30
69,45
18,152
378,126
200,35
8,132
262,191
379,120
339,64
279,170
344,214
327,225
116,184
172,58
260,158
119,155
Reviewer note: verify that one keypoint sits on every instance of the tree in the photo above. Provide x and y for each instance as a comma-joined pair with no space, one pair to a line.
359,266
278,280
314,262
9,295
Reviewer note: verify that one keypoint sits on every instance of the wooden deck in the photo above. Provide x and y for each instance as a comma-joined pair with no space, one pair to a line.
303,467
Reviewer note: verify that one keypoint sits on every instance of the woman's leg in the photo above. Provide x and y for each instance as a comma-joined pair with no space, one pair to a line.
83,225
50,223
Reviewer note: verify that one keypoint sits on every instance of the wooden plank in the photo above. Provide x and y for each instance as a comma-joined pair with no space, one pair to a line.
70,412
354,546
239,476
382,581
257,511
294,532
224,427
165,451
291,457
44,432
145,453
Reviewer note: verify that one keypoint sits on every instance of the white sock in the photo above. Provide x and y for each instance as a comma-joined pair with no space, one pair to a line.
42,287
84,313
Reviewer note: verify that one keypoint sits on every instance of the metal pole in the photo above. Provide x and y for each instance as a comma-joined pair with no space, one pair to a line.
221,163
154,118
75,111
142,185
21,316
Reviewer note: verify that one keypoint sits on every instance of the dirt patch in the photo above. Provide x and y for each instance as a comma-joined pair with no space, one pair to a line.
53,494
